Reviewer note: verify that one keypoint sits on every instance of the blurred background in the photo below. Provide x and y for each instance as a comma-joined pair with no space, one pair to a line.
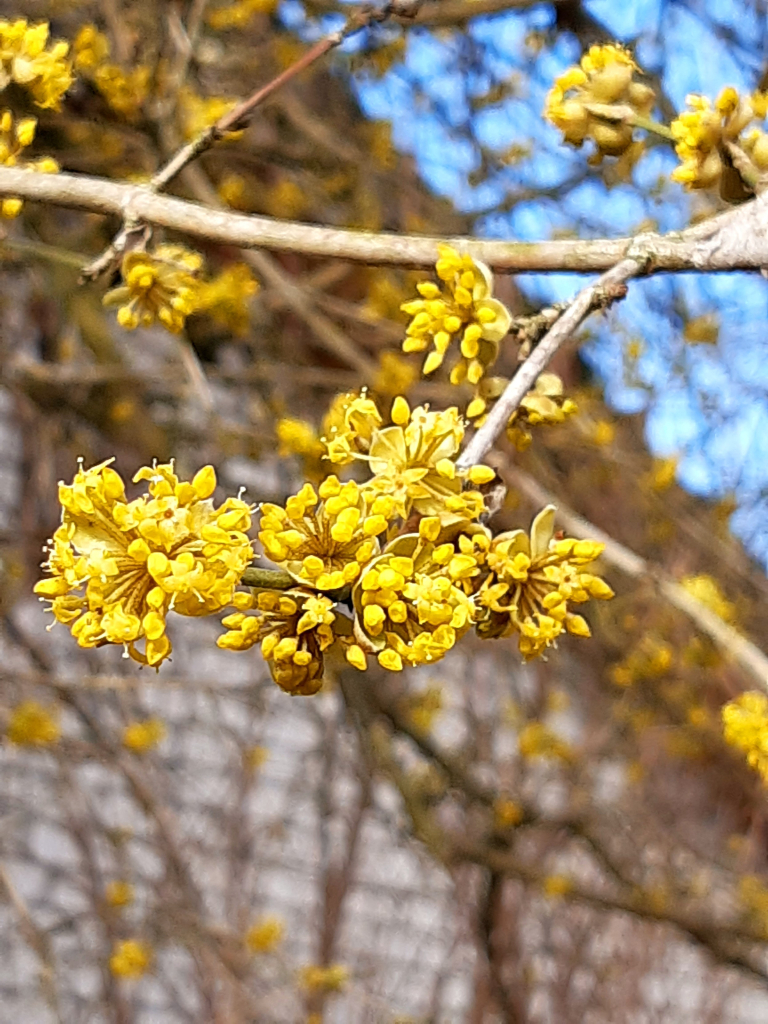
568,840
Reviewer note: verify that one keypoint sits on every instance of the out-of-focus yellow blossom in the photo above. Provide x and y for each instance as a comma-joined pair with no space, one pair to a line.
706,590
143,736
753,896
255,757
507,813
130,958
298,437
32,725
160,285
533,579
265,935
232,190
745,726
15,136
662,474
463,307
200,112
394,376
423,708
702,330
90,48
324,538
239,14
226,297
555,886
603,433
650,659
386,295
119,893
545,405
28,60
324,979
125,91
117,567
294,627
285,199
598,99
536,740
410,603
703,132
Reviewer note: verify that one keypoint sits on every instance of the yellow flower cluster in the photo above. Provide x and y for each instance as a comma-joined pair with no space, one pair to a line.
119,893
124,91
324,979
532,580
15,136
27,59
32,725
226,297
599,99
463,307
298,437
239,14
703,133
130,959
412,461
200,112
143,736
117,567
545,405
161,286
265,935
745,726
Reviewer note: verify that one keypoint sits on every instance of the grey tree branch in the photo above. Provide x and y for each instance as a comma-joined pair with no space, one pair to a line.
735,240
606,289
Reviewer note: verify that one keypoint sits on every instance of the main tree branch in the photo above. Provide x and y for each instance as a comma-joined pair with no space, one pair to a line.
735,240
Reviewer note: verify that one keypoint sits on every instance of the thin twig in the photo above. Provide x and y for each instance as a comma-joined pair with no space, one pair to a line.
606,289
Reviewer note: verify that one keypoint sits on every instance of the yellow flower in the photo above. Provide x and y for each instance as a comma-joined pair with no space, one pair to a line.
265,935
394,376
702,131
130,958
324,979
411,604
226,298
118,567
597,98
293,627
706,590
555,886
27,60
14,138
413,461
532,580
200,112
349,425
545,405
463,307
90,48
423,708
537,740
323,538
124,91
298,437
745,726
119,893
32,725
507,813
239,14
143,736
157,286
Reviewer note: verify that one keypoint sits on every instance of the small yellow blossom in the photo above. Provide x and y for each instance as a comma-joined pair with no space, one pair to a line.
324,979
117,567
130,958
533,578
662,474
324,538
544,405
265,935
255,757
555,886
706,590
745,726
603,433
32,725
125,91
90,48
394,376
598,99
239,13
298,437
536,740
462,308
157,286
703,132
15,136
348,426
285,199
200,112
506,813
226,297
294,628
411,604
28,60
119,893
423,708
143,736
